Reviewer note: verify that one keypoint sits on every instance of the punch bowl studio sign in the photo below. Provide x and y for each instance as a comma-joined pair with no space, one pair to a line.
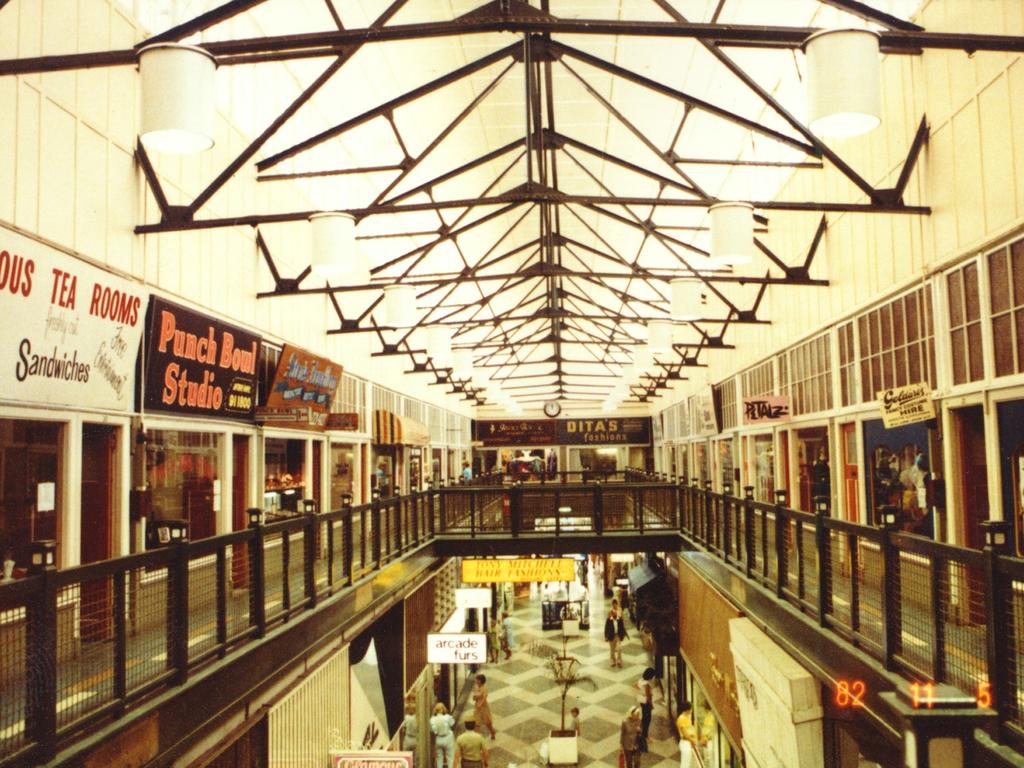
199,365
70,330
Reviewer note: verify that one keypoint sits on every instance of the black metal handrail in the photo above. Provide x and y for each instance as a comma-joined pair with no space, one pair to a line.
87,643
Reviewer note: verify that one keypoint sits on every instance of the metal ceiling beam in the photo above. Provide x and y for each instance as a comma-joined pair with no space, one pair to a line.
330,43
866,12
512,199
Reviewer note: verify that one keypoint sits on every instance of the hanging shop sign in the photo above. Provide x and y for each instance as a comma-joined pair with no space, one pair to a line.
305,384
906,405
70,329
472,597
522,569
198,365
769,409
633,431
371,758
457,648
515,432
343,422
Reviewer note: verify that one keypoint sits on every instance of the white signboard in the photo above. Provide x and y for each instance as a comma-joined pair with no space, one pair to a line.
70,333
457,648
906,405
472,597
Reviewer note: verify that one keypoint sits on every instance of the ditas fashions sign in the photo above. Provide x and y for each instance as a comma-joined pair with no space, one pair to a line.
199,365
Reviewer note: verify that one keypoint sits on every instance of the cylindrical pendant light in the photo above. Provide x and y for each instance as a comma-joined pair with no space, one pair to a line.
659,336
686,299
178,108
844,96
439,345
732,232
400,305
462,363
335,256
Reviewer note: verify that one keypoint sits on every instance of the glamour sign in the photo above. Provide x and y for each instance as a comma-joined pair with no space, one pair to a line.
457,648
70,329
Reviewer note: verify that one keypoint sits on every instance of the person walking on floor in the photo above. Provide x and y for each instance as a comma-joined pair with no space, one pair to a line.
629,738
615,633
410,727
508,638
481,709
494,641
645,700
470,748
442,726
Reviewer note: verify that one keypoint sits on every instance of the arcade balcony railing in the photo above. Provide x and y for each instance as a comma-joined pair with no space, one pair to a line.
89,643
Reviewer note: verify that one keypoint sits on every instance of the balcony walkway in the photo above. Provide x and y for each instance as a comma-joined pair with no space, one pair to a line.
82,646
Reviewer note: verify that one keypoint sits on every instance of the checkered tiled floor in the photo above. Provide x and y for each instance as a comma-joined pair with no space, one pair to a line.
526,705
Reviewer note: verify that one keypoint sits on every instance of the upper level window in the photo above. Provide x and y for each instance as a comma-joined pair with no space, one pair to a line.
965,324
805,374
897,345
1006,285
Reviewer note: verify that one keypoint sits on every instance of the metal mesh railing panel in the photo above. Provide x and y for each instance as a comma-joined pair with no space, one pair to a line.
869,592
202,605
85,648
840,569
273,568
964,633
912,592
147,629
239,585
296,567
13,668
809,562
1012,672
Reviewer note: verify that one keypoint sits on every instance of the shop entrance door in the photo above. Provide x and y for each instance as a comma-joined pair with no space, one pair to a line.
99,446
1011,458
969,428
851,502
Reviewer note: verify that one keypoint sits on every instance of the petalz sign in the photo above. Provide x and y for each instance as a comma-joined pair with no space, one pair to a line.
457,648
770,409
518,569
198,365
69,331
906,405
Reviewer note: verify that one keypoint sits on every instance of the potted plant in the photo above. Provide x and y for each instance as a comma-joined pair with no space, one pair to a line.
565,672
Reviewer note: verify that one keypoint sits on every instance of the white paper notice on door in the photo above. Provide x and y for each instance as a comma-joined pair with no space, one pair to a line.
46,497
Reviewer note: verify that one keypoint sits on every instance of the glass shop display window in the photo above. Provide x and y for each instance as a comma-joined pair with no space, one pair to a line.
343,461
284,473
29,489
181,476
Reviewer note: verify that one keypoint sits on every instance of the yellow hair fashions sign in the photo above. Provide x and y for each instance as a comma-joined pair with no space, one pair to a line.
519,569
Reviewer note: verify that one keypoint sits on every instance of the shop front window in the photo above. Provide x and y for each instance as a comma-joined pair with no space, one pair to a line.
181,474
812,460
29,488
764,468
725,464
436,455
700,463
600,461
383,477
284,472
343,459
415,468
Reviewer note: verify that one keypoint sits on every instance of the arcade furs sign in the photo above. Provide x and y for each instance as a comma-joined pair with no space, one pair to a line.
600,431
199,365
70,329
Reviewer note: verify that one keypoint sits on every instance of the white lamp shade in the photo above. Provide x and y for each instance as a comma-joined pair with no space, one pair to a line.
659,336
178,108
400,305
439,345
843,82
686,299
335,256
732,233
462,363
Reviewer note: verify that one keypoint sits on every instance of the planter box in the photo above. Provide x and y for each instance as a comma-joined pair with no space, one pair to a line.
562,748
